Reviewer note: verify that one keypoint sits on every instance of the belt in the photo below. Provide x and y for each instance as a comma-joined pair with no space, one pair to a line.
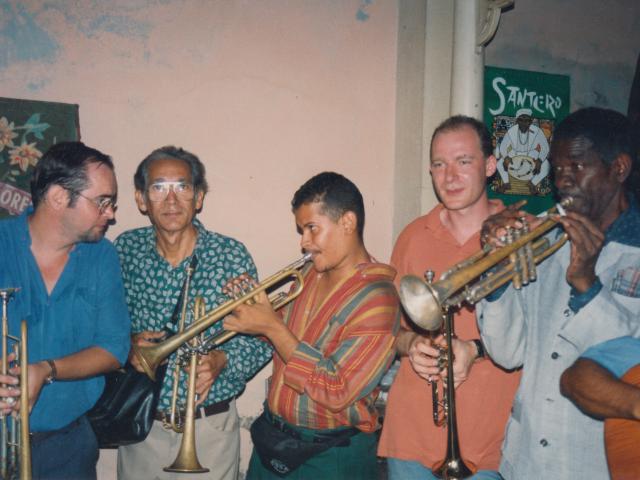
201,412
40,436
309,436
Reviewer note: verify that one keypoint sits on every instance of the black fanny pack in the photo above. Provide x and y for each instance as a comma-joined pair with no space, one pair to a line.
282,449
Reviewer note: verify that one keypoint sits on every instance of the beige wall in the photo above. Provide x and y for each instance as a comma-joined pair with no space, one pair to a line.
267,93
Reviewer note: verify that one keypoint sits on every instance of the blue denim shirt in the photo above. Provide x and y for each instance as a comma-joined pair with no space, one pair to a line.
85,309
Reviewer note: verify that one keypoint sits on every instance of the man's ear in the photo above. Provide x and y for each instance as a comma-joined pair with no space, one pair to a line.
490,165
140,201
199,200
57,197
349,222
621,167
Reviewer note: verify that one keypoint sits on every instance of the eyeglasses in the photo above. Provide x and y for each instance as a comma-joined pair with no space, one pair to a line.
158,191
103,203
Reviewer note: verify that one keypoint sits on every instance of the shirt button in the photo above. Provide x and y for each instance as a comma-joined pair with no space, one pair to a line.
555,355
544,442
567,312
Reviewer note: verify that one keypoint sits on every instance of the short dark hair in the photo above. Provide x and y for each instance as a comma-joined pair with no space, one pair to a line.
609,132
198,172
337,194
65,164
458,122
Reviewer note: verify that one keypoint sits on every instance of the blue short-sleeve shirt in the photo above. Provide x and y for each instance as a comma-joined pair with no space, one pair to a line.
617,355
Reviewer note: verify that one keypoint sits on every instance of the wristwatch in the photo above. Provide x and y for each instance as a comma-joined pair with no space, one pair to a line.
479,348
53,374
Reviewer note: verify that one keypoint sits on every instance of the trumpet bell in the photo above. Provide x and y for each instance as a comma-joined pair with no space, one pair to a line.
150,359
420,301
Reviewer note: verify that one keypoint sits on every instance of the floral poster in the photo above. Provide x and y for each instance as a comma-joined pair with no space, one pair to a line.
521,109
27,129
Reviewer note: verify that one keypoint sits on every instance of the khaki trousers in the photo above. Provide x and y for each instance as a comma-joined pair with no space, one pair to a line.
217,445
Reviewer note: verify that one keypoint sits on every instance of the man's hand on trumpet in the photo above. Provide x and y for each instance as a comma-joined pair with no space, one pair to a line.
208,369
257,317
587,241
10,385
424,354
494,228
9,391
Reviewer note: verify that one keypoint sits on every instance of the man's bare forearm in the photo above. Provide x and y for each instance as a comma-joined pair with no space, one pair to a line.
599,393
85,363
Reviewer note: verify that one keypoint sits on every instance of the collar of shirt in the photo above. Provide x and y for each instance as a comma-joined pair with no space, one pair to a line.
626,228
152,250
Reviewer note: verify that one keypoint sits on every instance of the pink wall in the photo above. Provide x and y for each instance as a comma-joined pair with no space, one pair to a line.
266,93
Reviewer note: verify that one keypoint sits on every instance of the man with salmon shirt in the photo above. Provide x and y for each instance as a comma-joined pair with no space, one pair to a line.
461,161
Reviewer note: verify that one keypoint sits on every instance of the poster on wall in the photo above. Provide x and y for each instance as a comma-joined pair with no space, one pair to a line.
521,109
27,129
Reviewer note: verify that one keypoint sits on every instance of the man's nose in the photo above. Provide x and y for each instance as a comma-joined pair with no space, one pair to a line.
450,172
171,195
563,177
305,240
110,212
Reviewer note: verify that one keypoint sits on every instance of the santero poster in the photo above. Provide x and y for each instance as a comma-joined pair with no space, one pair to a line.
521,109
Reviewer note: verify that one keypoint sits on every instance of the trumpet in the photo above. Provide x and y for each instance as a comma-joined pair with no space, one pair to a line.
151,357
15,449
424,302
193,343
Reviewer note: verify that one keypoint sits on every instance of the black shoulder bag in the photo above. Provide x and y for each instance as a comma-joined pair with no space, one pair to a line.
125,411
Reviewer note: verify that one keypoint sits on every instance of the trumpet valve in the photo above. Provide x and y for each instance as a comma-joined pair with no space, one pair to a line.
429,275
516,277
529,255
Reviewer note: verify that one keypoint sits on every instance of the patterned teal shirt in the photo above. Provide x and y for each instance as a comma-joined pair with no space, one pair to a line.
152,289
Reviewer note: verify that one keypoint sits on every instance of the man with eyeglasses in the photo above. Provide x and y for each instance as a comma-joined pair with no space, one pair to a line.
170,187
70,292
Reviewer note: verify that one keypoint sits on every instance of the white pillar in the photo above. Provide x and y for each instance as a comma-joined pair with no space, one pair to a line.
468,61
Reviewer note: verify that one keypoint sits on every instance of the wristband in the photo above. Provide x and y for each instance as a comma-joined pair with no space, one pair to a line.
53,374
479,348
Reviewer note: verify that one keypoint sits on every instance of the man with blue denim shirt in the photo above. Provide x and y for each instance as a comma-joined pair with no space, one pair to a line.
71,295
582,297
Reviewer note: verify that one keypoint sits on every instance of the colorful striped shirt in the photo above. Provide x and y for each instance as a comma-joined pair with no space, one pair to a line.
332,378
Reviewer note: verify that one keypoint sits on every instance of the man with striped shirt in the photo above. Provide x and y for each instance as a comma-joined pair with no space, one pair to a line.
332,345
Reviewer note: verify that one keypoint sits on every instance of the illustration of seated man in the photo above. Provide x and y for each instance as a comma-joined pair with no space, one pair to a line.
522,162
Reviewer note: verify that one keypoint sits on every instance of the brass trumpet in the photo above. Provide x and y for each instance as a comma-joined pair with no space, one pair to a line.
15,449
424,302
152,356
